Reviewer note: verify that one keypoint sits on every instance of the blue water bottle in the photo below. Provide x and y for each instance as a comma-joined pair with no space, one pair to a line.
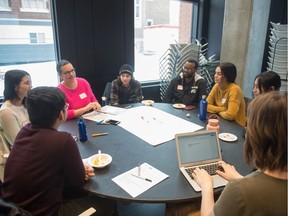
82,129
203,108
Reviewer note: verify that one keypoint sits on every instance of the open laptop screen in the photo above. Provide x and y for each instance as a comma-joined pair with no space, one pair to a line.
198,147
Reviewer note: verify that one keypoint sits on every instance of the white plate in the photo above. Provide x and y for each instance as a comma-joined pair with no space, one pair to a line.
147,102
179,106
93,161
228,137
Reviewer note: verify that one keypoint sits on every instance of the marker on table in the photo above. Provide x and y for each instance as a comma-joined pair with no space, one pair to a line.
99,134
146,179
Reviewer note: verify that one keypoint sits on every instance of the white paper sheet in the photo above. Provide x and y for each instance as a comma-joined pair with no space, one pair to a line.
153,125
134,185
107,112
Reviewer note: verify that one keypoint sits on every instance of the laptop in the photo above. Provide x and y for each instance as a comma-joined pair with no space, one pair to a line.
196,149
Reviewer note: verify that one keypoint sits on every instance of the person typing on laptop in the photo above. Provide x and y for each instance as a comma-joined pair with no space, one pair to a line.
263,192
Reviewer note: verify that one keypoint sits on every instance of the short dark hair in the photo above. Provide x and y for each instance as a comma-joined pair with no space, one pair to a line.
44,105
266,135
12,78
229,71
193,61
268,79
60,64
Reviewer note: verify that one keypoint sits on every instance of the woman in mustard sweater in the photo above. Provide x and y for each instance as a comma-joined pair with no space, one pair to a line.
226,97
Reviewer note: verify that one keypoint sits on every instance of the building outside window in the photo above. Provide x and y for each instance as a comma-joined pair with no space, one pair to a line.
26,41
157,25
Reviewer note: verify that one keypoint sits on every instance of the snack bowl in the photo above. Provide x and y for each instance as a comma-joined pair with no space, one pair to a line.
147,102
103,161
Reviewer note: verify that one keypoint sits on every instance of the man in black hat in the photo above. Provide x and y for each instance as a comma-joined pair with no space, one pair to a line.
125,89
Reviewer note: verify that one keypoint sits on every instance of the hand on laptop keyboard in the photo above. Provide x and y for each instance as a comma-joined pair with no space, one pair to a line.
229,172
210,168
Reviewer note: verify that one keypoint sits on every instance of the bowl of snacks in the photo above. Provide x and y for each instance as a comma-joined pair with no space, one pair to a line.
100,160
147,102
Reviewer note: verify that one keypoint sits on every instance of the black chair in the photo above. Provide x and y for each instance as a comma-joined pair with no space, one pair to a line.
106,94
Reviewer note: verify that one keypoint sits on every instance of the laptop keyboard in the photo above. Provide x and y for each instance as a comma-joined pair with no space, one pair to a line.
210,168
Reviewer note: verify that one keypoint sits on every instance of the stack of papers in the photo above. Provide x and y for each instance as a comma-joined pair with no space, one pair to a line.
107,112
136,183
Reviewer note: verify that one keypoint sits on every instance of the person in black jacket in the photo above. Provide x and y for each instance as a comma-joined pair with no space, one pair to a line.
188,87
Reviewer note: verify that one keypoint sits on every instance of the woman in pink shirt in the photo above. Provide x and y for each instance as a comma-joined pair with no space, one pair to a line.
78,92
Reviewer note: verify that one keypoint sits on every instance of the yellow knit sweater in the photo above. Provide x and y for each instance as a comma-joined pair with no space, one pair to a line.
228,103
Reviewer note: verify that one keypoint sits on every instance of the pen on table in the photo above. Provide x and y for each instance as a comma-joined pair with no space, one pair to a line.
99,134
146,179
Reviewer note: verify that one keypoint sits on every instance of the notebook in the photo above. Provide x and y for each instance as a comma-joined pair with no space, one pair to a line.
196,149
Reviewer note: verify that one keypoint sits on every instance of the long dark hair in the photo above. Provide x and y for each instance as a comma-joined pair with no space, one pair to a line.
12,79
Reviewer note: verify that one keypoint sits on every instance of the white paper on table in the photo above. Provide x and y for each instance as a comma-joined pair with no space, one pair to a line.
107,112
153,125
134,185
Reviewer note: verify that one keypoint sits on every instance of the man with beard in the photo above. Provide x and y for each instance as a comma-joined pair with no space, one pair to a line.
188,87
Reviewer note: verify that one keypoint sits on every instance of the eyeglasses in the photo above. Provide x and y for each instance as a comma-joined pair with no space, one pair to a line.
66,106
187,68
68,72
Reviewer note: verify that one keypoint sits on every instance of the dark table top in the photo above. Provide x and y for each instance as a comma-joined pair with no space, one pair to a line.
127,151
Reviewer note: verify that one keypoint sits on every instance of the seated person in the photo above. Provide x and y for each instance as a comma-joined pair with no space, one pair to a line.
188,87
125,89
77,90
44,161
265,82
13,113
263,192
226,97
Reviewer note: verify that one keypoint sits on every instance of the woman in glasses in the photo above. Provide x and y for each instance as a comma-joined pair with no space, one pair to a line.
78,92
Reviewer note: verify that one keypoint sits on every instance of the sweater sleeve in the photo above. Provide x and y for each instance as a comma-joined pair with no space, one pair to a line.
212,101
9,125
73,169
139,95
233,104
114,97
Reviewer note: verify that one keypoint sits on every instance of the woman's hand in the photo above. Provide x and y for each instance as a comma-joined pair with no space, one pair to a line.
229,173
203,179
89,172
97,105
93,106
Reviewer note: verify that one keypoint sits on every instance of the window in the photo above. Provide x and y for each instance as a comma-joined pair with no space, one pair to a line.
35,6
28,44
4,4
158,24
33,38
37,38
149,22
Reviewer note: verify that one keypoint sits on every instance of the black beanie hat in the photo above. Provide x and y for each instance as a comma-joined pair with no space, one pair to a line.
126,68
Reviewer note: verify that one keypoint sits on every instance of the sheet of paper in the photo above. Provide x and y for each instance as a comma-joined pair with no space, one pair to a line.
153,125
135,185
107,112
